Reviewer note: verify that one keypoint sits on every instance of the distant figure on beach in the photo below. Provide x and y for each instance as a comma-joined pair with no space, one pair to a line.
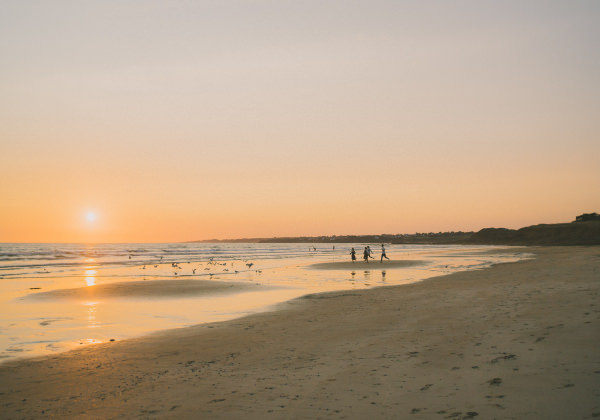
353,255
366,254
383,253
369,252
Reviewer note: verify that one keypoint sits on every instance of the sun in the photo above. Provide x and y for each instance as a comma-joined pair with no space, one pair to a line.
91,216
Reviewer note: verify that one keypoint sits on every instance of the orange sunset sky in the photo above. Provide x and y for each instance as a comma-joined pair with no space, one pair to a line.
131,121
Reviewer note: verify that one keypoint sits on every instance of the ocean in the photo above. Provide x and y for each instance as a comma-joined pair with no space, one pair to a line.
49,301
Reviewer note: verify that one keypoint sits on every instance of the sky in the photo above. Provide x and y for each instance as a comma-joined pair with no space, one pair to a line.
156,121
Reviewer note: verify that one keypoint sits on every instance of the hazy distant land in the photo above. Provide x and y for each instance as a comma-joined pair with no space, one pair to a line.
585,230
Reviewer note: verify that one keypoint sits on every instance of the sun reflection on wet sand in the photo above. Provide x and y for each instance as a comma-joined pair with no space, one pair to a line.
90,277
91,314
90,272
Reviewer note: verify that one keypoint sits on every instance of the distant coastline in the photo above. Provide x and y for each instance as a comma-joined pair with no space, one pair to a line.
417,238
584,230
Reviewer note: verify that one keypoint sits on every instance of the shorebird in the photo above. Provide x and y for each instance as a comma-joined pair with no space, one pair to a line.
250,265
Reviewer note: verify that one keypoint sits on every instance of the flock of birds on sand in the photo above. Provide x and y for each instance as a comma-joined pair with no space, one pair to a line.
211,264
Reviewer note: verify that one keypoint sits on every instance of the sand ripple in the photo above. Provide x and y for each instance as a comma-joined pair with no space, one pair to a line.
371,265
147,289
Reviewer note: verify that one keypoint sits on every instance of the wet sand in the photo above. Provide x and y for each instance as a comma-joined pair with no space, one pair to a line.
514,341
371,265
147,289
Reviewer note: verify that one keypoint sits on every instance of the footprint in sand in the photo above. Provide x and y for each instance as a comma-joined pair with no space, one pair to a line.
495,381
459,414
505,357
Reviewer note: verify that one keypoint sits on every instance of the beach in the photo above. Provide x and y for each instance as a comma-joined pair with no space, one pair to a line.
517,340
58,297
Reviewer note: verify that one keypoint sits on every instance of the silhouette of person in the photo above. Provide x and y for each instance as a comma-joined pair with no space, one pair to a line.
366,254
369,252
383,253
353,255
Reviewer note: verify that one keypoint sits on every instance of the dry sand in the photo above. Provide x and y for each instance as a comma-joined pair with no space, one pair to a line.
147,289
516,341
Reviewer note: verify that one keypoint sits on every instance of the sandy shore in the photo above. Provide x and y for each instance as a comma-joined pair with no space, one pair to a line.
361,265
147,289
517,341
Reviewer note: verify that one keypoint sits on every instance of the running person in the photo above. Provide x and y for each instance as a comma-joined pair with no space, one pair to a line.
383,253
370,252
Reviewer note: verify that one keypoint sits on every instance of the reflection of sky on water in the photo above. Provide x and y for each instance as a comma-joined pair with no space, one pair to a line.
33,328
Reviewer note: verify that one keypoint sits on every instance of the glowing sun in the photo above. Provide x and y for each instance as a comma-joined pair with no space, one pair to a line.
91,216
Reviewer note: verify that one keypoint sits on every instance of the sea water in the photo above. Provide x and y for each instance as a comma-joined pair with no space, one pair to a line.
31,327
